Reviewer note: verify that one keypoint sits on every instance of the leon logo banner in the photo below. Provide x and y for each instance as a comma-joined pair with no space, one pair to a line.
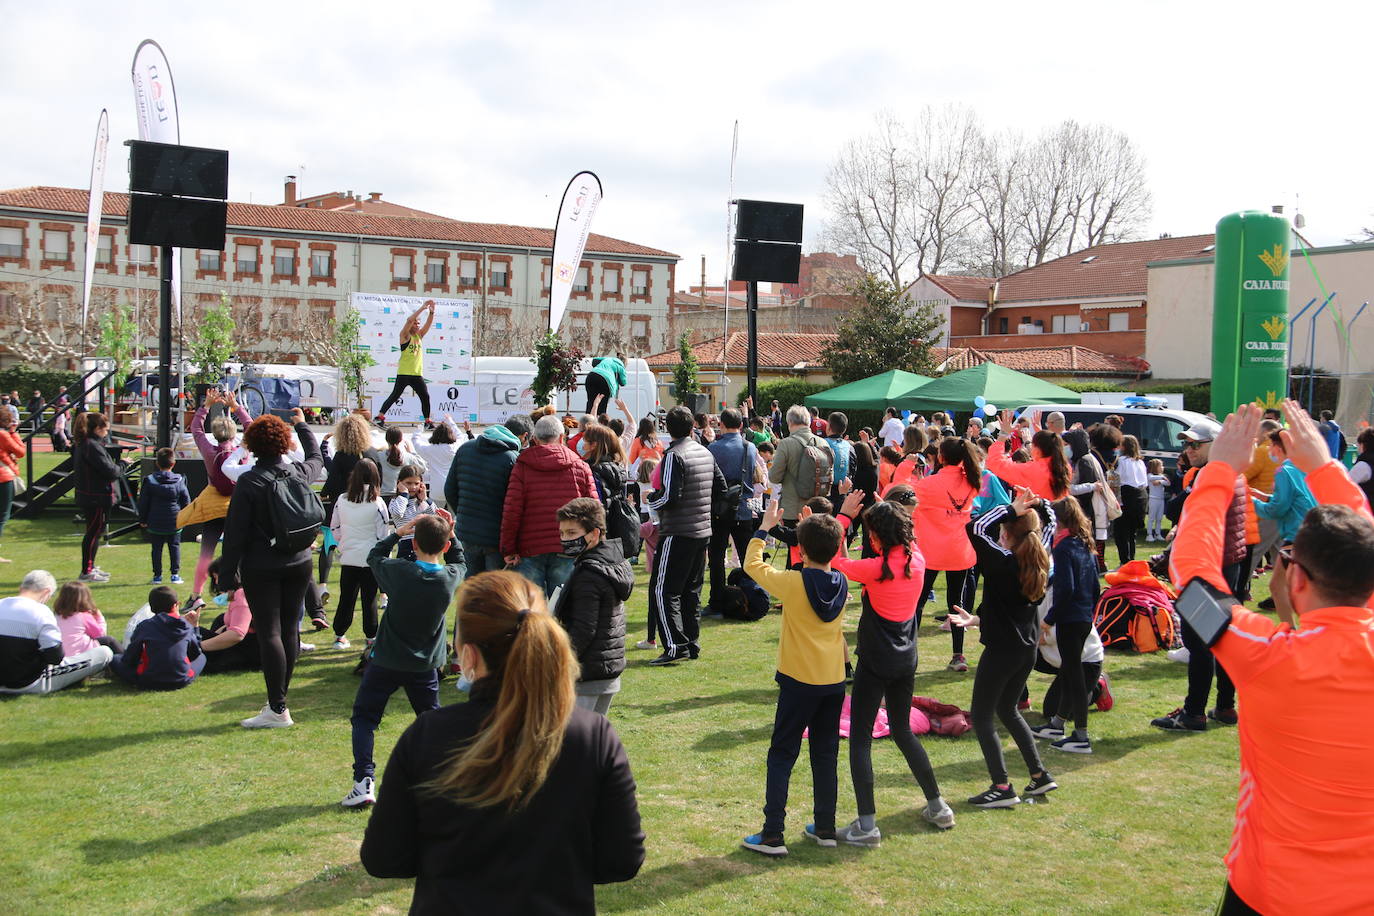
570,232
155,103
94,207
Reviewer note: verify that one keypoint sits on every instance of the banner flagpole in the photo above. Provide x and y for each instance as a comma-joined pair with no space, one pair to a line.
95,203
729,260
570,232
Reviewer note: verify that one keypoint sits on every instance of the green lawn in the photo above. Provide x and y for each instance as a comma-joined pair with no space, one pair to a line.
124,802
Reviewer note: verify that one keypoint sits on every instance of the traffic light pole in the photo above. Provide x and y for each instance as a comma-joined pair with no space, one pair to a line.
164,351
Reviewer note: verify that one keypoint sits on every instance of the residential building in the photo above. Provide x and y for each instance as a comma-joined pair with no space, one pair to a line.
289,269
961,302
823,272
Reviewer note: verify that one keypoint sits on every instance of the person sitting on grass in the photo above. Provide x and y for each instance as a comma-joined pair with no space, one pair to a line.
410,647
31,656
162,495
230,642
811,658
82,625
164,652
516,801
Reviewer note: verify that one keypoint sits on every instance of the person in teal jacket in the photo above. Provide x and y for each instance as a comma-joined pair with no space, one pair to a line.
1291,499
605,381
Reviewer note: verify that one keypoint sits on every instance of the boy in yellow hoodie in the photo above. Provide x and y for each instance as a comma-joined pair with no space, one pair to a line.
811,655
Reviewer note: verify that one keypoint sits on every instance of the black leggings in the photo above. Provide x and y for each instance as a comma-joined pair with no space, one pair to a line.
870,690
1069,683
997,686
1131,520
1092,674
96,518
596,386
955,582
415,383
111,643
352,581
275,598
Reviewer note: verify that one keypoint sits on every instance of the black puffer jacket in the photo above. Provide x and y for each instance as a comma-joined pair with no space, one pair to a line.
592,610
610,477
95,472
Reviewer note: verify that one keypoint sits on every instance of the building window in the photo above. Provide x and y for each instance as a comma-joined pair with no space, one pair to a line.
104,250
639,283
246,258
143,254
57,245
321,264
639,327
212,261
284,262
500,273
610,281
1119,321
11,243
402,268
436,272
582,282
467,272
1066,324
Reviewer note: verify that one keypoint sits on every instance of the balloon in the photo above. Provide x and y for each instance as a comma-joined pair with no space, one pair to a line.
979,401
989,410
905,414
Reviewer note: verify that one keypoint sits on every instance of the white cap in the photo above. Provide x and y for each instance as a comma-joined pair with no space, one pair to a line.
1203,430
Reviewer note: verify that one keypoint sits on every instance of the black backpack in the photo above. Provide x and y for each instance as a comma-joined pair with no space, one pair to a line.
622,518
295,510
744,600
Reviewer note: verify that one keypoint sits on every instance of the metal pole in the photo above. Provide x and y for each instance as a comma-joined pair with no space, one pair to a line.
752,303
1312,350
164,351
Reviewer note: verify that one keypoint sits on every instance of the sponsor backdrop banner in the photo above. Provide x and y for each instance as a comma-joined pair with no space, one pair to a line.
575,213
94,209
448,355
501,395
155,103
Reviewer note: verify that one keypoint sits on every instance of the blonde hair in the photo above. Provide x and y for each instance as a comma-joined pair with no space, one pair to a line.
503,615
223,428
1130,446
1156,466
352,436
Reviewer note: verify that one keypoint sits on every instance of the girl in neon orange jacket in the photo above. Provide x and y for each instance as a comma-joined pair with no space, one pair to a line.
1047,473
944,505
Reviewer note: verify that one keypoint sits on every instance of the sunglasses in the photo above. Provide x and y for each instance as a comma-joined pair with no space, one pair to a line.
1287,559
1192,445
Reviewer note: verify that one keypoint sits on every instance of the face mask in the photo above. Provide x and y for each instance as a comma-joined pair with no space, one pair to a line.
464,685
575,547
582,447
221,599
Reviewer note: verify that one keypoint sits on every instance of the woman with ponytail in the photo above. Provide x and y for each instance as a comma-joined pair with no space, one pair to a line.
913,466
886,671
396,455
1012,543
1047,474
96,475
944,505
479,796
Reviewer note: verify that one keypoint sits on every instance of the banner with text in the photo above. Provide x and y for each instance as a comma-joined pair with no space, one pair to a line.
155,104
580,200
95,204
448,368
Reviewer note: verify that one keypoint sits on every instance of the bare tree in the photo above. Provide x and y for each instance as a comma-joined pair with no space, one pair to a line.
997,249
43,328
1112,200
1044,199
870,196
945,164
315,338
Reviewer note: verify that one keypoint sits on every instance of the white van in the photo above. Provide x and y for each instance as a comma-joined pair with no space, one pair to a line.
1156,428
503,388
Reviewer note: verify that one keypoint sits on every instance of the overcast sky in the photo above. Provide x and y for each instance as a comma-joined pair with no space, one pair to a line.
482,111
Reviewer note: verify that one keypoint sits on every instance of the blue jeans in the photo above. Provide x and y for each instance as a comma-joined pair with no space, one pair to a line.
481,558
798,709
422,690
546,570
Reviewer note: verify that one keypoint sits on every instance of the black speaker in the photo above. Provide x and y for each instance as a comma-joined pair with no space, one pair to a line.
767,262
187,171
177,222
768,221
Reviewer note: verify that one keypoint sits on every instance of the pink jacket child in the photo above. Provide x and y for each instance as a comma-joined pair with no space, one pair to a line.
82,625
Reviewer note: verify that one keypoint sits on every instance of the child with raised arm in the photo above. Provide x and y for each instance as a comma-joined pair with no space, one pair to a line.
810,675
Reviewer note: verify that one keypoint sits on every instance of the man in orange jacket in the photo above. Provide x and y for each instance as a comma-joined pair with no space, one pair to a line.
1304,834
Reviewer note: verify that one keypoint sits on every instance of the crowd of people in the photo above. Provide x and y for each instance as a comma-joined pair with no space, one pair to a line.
534,525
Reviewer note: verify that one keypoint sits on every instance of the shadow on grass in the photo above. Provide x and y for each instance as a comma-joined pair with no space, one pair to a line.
761,696
666,882
100,850
335,886
47,752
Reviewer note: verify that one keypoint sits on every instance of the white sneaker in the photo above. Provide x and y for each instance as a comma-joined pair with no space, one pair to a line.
307,647
646,644
364,793
342,643
1180,655
269,719
939,813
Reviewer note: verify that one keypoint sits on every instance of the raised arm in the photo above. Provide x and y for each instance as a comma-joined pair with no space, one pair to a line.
1326,477
429,319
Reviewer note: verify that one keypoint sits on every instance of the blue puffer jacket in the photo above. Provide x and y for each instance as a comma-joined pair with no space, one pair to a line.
476,486
162,495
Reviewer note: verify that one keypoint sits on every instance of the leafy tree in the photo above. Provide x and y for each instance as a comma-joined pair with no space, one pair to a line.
352,358
117,332
213,344
886,331
685,372
555,368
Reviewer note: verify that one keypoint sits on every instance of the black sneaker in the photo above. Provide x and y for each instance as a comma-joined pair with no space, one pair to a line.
1179,721
822,838
1040,785
1266,605
1224,716
996,798
668,658
767,845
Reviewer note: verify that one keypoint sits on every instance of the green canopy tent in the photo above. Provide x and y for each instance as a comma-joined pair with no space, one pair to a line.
1001,387
886,389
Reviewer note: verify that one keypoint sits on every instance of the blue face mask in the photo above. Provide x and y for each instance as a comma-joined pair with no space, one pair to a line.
464,685
221,599
582,447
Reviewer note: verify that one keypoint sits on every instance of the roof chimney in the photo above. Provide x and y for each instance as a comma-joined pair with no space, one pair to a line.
1278,209
374,196
290,190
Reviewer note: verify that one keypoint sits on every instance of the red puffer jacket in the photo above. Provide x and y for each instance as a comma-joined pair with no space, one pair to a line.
1237,534
544,478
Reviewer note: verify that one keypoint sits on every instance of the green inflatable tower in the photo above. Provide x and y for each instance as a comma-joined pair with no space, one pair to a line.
1250,311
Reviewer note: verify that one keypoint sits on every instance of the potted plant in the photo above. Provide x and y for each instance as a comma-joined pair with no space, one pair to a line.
555,368
685,385
211,347
353,357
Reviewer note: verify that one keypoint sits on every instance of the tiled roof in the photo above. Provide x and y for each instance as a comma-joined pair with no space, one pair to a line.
263,219
969,289
688,300
776,351
1116,269
1070,360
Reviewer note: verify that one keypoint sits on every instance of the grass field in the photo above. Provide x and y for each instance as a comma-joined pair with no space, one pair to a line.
118,801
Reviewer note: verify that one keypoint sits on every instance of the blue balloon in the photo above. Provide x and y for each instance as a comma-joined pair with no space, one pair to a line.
905,414
979,401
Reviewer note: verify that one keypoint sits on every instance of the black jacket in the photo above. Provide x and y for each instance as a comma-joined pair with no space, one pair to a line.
95,472
338,468
580,829
1006,616
249,520
475,489
690,478
591,608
